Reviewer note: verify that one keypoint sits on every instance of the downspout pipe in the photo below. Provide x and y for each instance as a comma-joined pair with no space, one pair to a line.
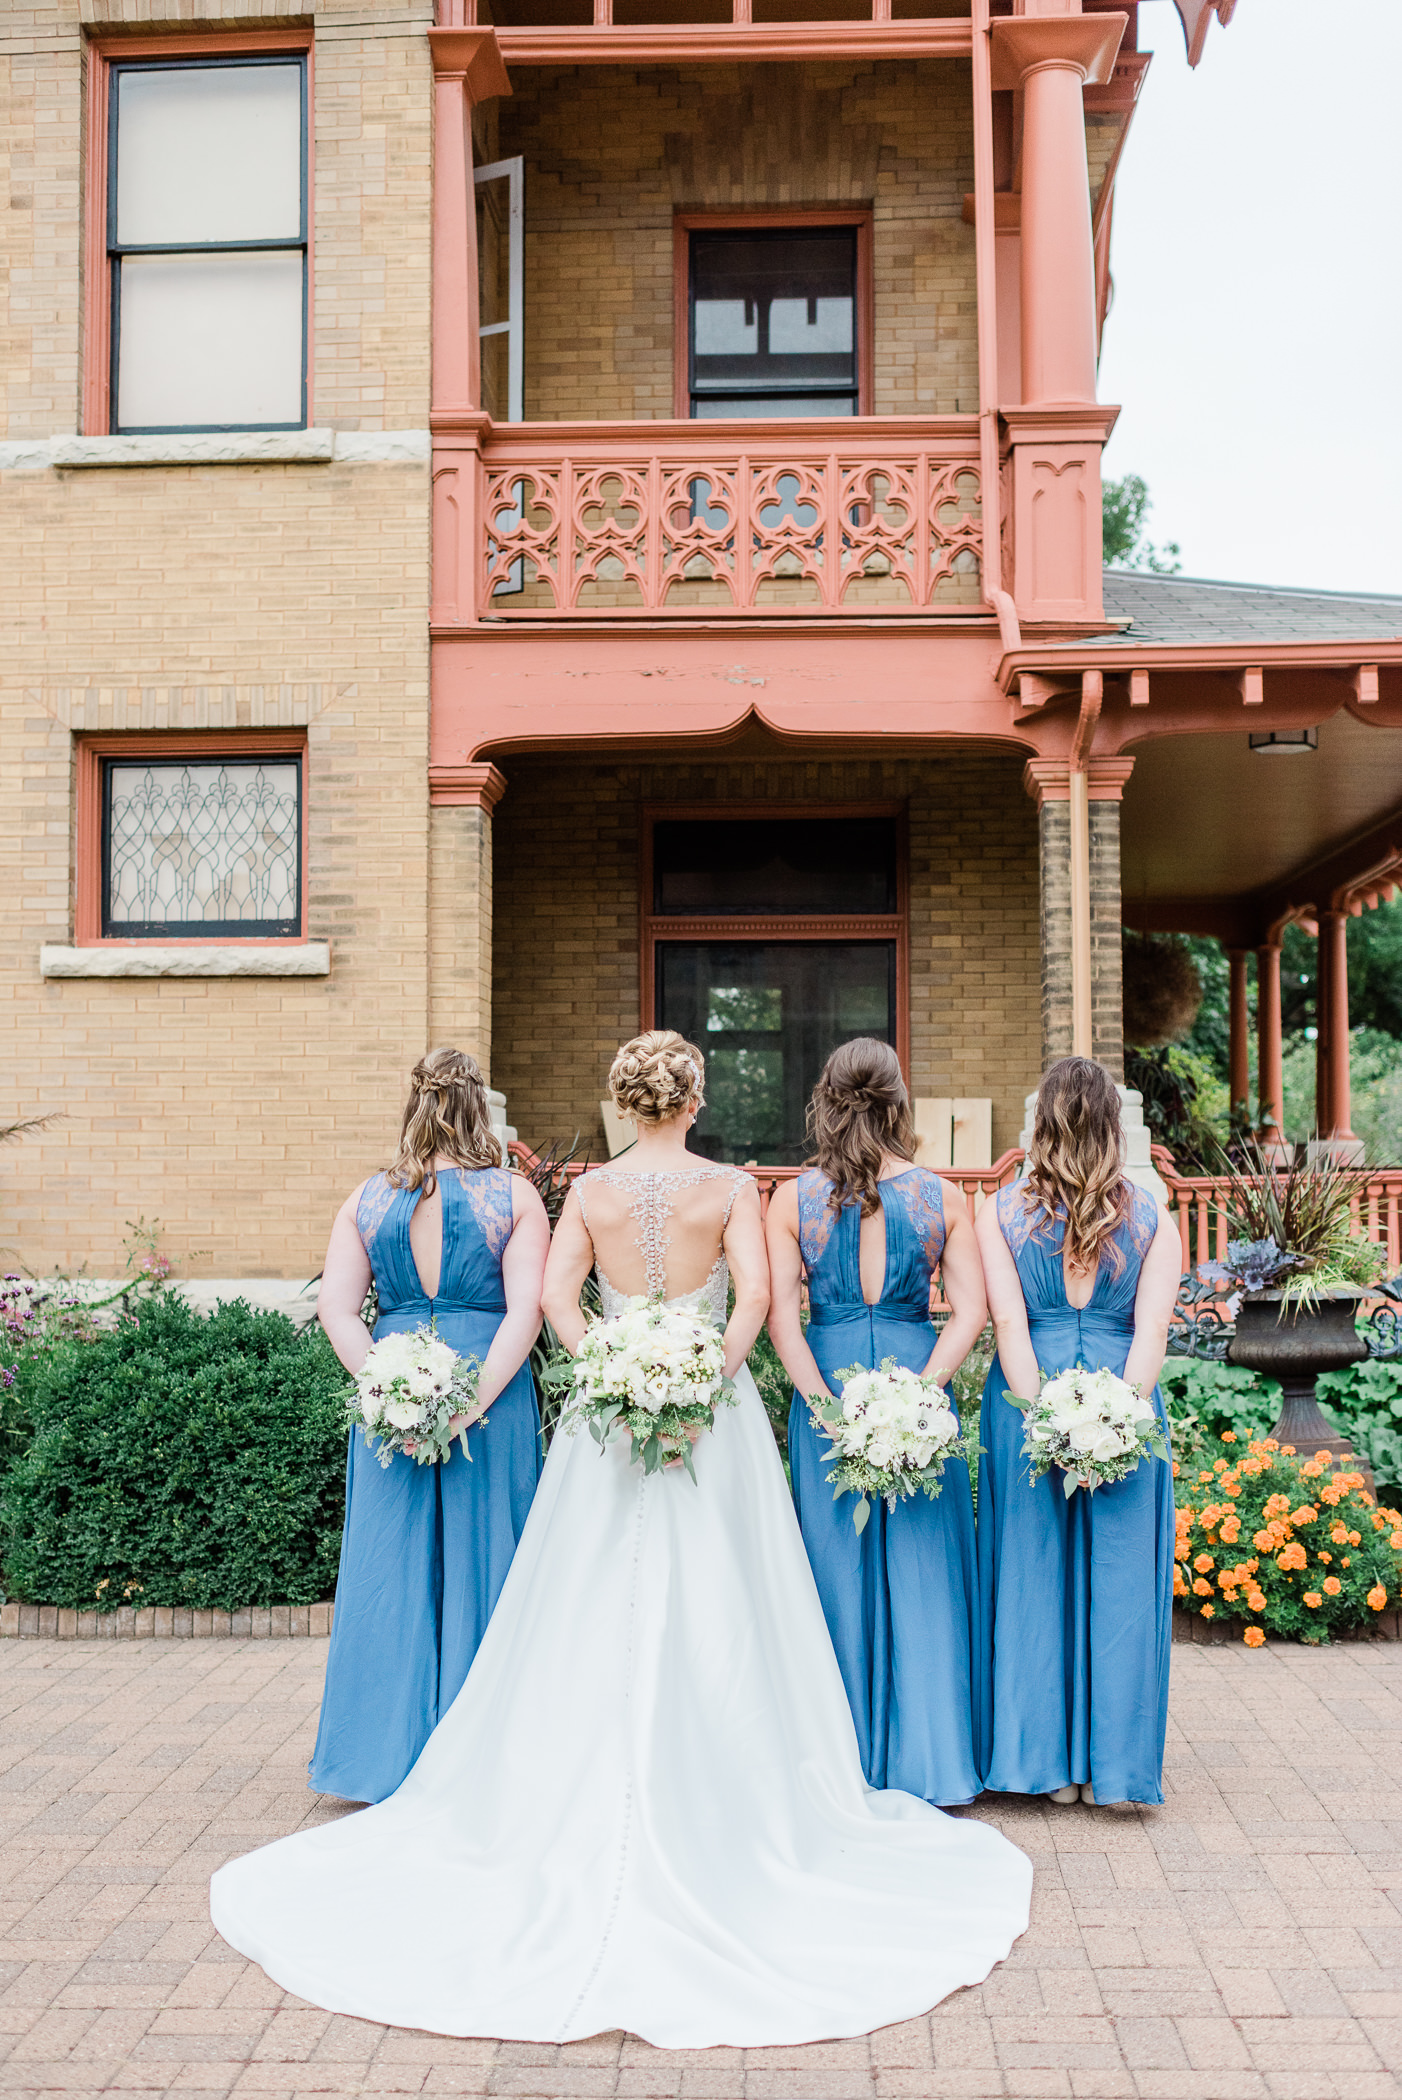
986,277
1082,1011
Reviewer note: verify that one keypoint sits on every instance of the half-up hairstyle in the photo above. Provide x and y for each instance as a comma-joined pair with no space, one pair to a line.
1075,1163
448,1112
656,1076
859,1114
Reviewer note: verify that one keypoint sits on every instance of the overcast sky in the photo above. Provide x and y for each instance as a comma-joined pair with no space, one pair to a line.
1255,339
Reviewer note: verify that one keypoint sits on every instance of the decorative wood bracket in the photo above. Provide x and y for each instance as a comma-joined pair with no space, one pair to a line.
479,786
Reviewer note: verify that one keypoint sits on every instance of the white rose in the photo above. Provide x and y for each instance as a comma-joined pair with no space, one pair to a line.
401,1414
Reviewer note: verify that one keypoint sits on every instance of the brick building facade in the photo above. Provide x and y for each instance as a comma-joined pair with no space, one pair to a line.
684,453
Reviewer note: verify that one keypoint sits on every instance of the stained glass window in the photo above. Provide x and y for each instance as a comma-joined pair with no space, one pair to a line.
202,848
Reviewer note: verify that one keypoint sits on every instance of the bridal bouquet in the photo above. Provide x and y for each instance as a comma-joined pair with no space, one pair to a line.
651,1372
407,1392
891,1433
1092,1425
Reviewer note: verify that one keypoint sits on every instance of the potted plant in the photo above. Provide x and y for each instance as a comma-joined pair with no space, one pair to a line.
1297,1265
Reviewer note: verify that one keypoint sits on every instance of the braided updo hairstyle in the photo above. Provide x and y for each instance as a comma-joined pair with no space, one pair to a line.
859,1113
448,1112
656,1076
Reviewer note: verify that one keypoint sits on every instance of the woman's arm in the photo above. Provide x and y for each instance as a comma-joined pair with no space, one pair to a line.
571,1259
345,1278
1153,1305
786,1293
522,1268
962,1274
1007,1306
743,1246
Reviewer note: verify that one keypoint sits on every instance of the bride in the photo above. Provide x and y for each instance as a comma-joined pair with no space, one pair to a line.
645,1809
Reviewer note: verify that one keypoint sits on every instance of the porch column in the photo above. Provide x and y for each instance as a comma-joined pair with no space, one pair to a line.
1333,1108
1269,1078
461,801
1238,1041
1048,781
1047,54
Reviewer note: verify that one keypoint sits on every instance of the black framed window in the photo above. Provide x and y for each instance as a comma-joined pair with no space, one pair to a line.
768,1014
773,317
773,867
196,849
207,243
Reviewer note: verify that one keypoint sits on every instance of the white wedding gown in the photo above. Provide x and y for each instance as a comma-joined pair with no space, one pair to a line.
645,1808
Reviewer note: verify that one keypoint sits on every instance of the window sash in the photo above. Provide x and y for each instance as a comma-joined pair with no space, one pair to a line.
288,927
117,250
742,396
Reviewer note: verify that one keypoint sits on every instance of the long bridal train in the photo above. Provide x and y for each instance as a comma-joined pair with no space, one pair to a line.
645,1809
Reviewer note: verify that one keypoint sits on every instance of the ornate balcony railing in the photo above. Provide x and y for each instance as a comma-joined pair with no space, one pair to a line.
614,522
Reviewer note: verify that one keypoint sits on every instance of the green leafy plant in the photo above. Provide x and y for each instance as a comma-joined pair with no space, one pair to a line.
1185,1104
1365,1402
1306,1210
177,1459
1205,1398
1282,1544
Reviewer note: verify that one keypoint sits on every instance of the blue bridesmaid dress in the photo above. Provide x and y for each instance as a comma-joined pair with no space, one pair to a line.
899,1597
426,1548
1076,1596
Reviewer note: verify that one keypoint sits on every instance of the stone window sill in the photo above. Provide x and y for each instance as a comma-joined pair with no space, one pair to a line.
220,448
188,959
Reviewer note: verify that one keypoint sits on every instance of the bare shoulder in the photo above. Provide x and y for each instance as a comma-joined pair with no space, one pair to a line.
525,1199
783,1205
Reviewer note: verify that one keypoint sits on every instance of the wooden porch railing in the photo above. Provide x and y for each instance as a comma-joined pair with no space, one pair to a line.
599,521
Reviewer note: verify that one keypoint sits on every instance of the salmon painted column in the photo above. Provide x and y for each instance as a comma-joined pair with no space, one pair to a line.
1333,1105
467,69
1238,1032
1047,54
1270,1081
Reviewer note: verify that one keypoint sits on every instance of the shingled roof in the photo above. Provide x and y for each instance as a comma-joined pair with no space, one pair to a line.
1191,611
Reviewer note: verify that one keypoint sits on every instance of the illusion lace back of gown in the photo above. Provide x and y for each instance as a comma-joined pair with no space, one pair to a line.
653,1205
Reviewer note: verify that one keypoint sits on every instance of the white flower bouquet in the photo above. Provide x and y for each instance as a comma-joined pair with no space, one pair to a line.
1091,1424
891,1433
654,1374
407,1394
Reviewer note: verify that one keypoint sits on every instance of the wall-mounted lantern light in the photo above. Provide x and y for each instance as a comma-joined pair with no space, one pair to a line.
1285,740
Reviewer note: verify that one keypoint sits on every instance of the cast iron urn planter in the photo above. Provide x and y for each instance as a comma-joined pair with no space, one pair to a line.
1295,1347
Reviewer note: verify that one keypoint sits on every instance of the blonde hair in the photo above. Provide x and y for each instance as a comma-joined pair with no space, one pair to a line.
447,1111
1075,1162
656,1076
859,1113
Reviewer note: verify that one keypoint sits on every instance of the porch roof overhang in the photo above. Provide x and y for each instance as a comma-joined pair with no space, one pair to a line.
1215,841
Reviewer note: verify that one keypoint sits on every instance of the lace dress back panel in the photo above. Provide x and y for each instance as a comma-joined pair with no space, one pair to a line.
476,1214
830,1242
660,1235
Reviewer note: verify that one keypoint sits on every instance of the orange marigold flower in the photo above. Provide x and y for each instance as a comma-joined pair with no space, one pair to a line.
1262,1541
1331,1495
1229,1487
1339,1534
1311,1469
1396,1542
1326,1557
1209,1611
1255,1601
1305,1514
1231,1531
1287,1450
1313,1599
1379,1521
1201,1588
1332,1585
1182,1549
1180,1587
1267,1443
1277,1505
1228,1436
1355,1538
1177,1469
1203,1563
1219,1465
1202,1477
1253,1637
1294,1556
1377,1596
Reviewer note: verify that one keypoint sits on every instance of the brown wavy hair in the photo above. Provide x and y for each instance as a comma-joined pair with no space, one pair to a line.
1075,1162
859,1113
448,1112
656,1076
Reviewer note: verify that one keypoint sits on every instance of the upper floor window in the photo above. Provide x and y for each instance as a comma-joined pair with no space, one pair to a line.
774,321
207,243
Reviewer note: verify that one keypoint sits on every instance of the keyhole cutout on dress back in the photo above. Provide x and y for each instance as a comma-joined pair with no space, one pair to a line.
426,1242
871,1260
1078,1284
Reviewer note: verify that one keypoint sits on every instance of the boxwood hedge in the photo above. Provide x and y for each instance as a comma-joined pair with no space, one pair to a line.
177,1459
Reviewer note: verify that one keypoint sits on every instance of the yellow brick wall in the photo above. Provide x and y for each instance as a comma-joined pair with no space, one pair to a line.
565,849
238,1112
611,154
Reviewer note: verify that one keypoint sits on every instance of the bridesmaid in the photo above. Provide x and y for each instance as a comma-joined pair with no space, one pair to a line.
1082,1267
448,1235
869,1229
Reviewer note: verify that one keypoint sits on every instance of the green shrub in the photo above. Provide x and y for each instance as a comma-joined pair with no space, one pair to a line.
1365,1401
1204,1399
178,1460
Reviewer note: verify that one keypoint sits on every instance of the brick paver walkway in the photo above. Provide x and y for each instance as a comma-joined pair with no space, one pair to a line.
1241,1941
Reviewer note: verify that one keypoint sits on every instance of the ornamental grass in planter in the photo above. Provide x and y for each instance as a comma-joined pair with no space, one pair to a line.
1282,1544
